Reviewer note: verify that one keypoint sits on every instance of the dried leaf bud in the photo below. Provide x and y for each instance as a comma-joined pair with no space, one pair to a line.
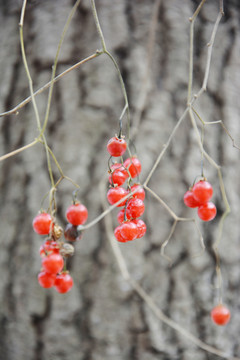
57,232
67,250
71,233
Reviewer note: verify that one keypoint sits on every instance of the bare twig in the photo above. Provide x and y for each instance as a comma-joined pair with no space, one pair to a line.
47,85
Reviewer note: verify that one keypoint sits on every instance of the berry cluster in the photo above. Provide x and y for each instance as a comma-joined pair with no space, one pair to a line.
53,251
130,226
199,196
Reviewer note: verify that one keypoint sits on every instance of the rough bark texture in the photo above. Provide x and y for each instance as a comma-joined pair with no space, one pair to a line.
102,318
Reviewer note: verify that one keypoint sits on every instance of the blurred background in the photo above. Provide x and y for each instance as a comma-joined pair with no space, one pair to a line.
102,317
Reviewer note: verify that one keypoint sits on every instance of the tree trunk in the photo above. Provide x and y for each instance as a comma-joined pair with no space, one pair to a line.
103,317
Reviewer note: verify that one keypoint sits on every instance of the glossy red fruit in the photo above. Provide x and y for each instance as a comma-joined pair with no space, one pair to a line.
140,193
46,280
135,208
77,214
189,200
71,233
202,191
120,216
47,247
63,283
141,226
133,165
117,177
129,230
53,263
207,211
41,223
118,235
116,146
220,315
115,194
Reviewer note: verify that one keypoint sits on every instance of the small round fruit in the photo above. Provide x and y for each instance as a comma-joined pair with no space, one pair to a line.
48,247
46,280
133,165
120,216
77,214
63,283
53,263
140,193
202,191
116,194
207,211
135,208
129,230
116,146
189,200
220,315
41,223
117,177
118,235
71,233
141,226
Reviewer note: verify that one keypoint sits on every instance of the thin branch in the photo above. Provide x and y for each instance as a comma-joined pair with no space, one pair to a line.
165,147
17,151
47,85
209,56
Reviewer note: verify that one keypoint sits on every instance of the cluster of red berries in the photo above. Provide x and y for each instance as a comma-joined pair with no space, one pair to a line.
130,226
199,196
53,251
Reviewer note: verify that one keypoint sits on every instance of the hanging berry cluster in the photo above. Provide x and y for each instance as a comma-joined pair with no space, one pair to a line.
130,226
199,196
53,251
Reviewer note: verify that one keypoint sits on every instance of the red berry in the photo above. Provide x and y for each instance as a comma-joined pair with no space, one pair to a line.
71,233
202,191
53,263
49,246
63,283
140,193
141,226
135,208
120,216
129,230
41,223
133,165
189,200
118,235
115,194
220,315
77,214
207,211
116,146
117,177
46,280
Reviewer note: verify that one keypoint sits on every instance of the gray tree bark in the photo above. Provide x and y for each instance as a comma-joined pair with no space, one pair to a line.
102,317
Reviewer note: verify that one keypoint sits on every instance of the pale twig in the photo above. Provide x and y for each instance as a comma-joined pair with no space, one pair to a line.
17,151
169,210
165,147
214,123
164,244
144,88
209,56
190,74
105,51
72,12
47,85
31,89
